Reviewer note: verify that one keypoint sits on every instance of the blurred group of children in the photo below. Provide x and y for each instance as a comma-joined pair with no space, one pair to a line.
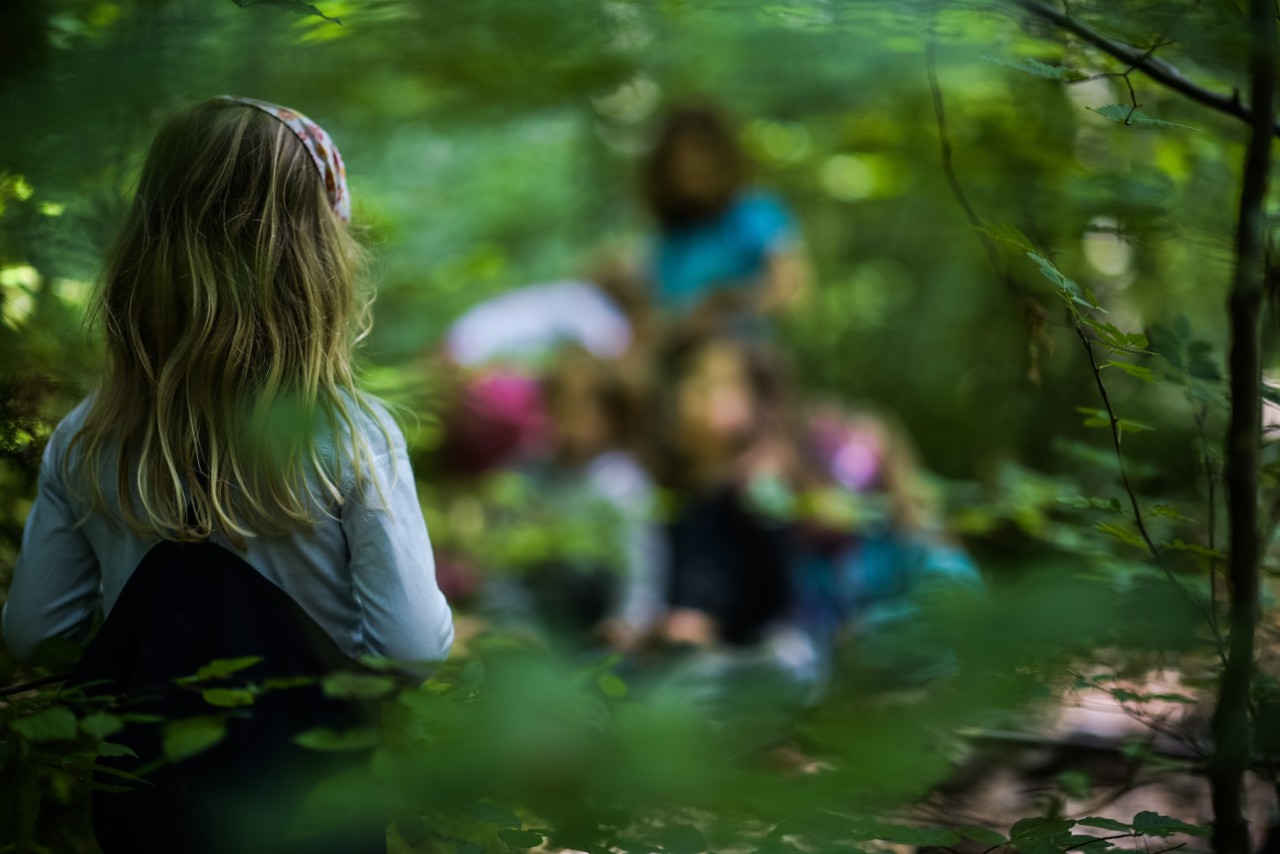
742,524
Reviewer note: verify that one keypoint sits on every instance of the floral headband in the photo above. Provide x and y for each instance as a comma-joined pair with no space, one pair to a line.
321,148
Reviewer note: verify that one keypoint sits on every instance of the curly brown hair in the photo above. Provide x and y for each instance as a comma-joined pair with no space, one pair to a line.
707,127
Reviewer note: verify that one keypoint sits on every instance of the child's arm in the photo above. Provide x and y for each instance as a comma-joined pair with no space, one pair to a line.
56,586
404,614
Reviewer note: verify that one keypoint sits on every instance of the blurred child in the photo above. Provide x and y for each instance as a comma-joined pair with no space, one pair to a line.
728,451
592,479
726,254
497,349
878,554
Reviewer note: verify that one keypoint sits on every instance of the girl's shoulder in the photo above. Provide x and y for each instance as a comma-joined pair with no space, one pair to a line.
60,440
373,424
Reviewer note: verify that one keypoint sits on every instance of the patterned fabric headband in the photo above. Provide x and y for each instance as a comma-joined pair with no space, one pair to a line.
321,148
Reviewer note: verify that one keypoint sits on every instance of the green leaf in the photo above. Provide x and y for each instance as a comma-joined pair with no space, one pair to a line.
1038,68
326,739
358,686
611,685
1096,417
1150,823
1104,823
116,772
109,750
1165,511
277,683
1140,372
1008,233
1108,333
1197,549
1127,115
1039,827
1054,275
188,737
56,723
227,698
1124,535
520,838
682,839
100,725
467,848
1129,425
981,834
220,669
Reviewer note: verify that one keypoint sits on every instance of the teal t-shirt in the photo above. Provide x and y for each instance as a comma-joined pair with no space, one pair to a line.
730,251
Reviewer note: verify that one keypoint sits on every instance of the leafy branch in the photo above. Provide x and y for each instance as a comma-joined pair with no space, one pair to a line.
1153,67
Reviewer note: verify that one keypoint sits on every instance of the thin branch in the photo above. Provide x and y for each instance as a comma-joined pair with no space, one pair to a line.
944,142
1138,519
1157,69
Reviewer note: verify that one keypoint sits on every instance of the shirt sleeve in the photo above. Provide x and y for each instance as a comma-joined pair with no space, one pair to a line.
404,614
641,595
767,225
56,585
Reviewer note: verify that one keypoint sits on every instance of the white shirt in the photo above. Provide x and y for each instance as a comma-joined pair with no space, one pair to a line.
365,574
530,322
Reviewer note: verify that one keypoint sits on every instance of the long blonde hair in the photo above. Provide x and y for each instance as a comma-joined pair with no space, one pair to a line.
231,307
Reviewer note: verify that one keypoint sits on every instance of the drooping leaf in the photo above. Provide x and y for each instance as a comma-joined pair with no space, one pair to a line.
1009,234
1104,823
1127,115
1124,535
227,697
1038,68
1130,425
101,725
220,669
1140,372
190,736
326,739
110,750
1150,823
1053,274
56,723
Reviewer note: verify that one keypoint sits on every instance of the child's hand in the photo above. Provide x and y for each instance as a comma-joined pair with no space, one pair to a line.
685,625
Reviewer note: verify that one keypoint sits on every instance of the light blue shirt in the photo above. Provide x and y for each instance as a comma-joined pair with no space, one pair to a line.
365,573
729,251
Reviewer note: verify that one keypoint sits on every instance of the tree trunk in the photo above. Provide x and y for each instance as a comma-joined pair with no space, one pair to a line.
1231,732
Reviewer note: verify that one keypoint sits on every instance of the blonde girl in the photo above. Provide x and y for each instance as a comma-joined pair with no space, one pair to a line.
227,409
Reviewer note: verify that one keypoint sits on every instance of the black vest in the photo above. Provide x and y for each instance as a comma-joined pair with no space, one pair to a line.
187,605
